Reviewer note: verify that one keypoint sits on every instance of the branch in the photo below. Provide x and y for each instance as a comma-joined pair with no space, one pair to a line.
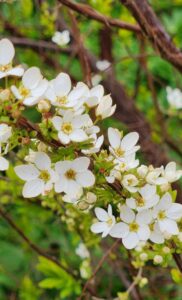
154,31
89,12
99,265
34,246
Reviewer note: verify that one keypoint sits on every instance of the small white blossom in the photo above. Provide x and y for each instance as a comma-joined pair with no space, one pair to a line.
82,251
106,221
102,65
146,199
4,163
33,87
39,176
61,38
130,183
122,147
133,228
170,173
174,97
73,176
167,213
105,108
7,53
71,127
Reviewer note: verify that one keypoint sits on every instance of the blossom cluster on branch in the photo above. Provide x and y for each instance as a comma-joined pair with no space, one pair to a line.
73,159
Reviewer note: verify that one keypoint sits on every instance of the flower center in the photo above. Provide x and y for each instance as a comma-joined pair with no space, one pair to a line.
109,222
134,227
67,128
70,174
62,100
140,201
44,175
161,215
24,92
119,152
5,68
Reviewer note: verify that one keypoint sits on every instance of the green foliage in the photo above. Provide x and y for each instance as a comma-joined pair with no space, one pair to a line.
57,278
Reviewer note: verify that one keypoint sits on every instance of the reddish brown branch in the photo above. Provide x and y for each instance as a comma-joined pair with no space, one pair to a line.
154,31
89,12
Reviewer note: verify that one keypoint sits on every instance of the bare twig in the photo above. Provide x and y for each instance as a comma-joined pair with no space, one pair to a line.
89,12
99,265
154,31
34,246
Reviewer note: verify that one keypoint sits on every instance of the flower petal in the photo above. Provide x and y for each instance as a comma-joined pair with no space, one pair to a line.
31,78
119,230
7,52
168,226
33,188
42,161
81,164
175,211
27,172
126,214
86,178
4,164
98,227
62,85
114,137
101,214
131,240
129,140
143,232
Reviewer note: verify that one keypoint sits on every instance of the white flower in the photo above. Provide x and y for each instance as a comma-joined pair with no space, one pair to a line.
39,176
130,182
122,147
73,176
147,198
33,88
5,133
102,65
153,176
106,221
61,38
174,97
170,173
133,229
121,165
71,127
82,251
105,108
7,53
94,96
4,164
97,143
142,171
167,213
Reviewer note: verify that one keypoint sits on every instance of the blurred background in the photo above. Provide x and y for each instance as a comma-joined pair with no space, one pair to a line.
142,85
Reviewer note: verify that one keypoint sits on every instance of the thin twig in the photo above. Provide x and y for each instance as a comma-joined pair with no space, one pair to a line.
99,265
89,12
34,246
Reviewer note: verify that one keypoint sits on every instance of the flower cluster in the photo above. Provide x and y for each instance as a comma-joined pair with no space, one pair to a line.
79,170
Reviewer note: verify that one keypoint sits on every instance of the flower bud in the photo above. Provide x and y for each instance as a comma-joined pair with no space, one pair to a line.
143,256
158,259
166,250
4,95
44,106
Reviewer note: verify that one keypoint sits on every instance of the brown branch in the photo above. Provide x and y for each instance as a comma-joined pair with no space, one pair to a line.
154,31
82,53
34,246
99,265
89,12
